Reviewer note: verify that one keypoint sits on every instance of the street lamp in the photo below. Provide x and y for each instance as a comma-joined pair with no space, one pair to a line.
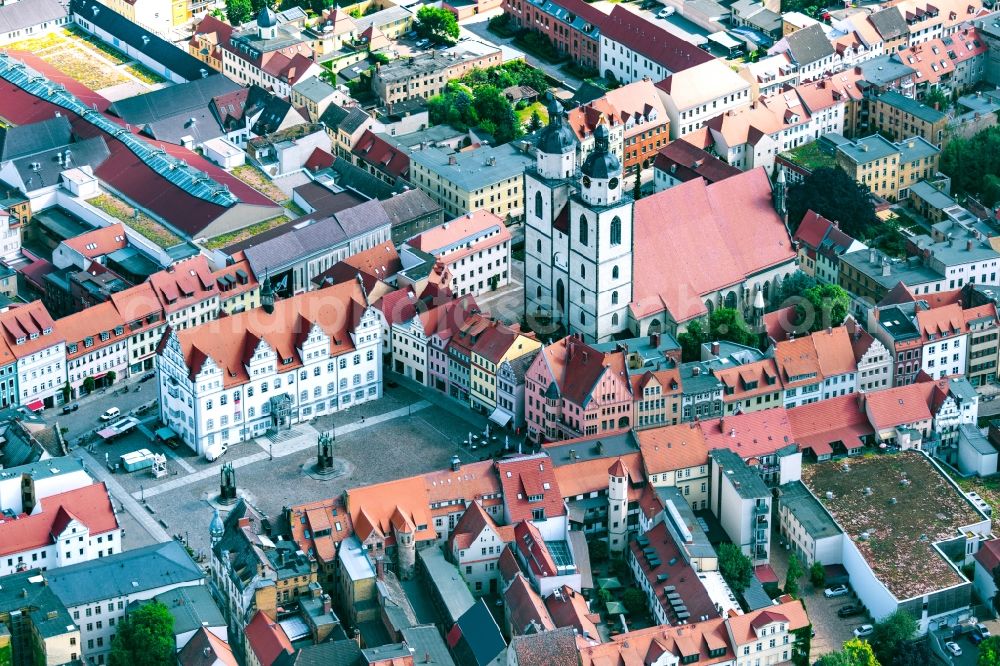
270,451
142,493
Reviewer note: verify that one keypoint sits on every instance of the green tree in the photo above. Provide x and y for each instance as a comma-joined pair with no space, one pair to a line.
890,633
823,306
989,652
238,12
437,24
535,122
691,341
817,575
937,98
490,103
793,286
912,653
89,384
603,595
111,377
637,186
735,566
836,196
728,324
793,575
145,638
67,391
860,653
598,550
634,601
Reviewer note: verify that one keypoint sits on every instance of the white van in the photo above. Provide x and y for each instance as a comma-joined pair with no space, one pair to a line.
215,451
110,414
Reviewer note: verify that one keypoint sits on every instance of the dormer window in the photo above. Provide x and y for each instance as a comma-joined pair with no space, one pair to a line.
21,340
88,342
47,330
33,335
104,336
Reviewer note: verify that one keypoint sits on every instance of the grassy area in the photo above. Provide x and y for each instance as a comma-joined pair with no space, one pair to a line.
259,180
246,232
810,156
88,40
295,208
524,115
141,223
144,74
988,489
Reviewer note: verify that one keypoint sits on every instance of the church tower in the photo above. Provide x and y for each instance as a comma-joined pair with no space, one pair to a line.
547,187
617,506
600,246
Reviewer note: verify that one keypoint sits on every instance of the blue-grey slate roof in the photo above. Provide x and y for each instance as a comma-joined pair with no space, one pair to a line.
127,573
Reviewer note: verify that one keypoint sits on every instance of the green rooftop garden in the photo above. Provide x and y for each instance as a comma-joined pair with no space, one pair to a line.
810,156
136,220
225,240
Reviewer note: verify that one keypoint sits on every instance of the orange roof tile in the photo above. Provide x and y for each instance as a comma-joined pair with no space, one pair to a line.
474,522
941,322
451,240
672,448
383,503
90,505
99,242
526,610
471,482
744,628
750,435
568,608
833,351
267,639
587,476
819,424
185,283
30,324
740,379
797,362
326,522
899,405
89,325
530,475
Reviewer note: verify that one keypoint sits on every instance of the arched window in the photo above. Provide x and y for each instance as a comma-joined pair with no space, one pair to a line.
583,296
583,270
614,272
583,317
584,231
538,205
538,271
538,292
538,246
614,298
616,231
614,319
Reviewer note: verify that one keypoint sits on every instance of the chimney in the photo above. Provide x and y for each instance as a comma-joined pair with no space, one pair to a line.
968,245
885,269
872,255
379,568
654,340
695,371
452,160
327,604
715,349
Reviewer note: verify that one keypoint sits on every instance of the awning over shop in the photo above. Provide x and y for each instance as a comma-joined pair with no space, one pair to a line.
36,405
165,433
500,417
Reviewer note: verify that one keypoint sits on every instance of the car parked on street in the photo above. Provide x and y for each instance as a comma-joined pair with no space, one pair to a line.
864,630
982,630
666,12
110,414
835,591
70,408
954,648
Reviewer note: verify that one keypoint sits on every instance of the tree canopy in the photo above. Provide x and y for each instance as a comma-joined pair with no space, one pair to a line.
436,24
981,150
823,306
891,633
723,324
145,637
795,572
485,107
238,12
735,566
855,652
836,196
989,652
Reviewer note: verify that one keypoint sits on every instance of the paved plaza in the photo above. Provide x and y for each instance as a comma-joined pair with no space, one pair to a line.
410,430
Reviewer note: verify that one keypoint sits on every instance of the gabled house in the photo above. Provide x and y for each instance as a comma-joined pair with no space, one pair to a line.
475,545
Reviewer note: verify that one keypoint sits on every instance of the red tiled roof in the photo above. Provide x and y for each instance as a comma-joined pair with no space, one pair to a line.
648,39
474,522
740,379
31,324
525,608
672,447
383,155
442,239
780,323
399,503
90,505
744,627
812,230
940,322
685,162
568,608
320,159
797,362
447,318
750,435
98,242
679,574
730,226
89,324
471,482
899,405
398,306
834,352
819,424
988,555
267,639
206,649
321,516
586,476
184,284
526,475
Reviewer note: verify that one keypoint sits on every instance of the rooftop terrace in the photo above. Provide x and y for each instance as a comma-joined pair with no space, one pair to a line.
895,508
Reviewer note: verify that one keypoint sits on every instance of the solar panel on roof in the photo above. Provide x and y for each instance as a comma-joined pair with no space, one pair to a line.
179,173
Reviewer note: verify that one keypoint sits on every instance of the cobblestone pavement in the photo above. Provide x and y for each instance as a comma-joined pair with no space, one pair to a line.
411,430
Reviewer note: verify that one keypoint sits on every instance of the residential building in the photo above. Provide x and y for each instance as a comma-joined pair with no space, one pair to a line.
293,255
238,287
140,310
326,358
933,587
188,293
679,161
895,328
944,335
413,355
381,158
269,53
426,75
897,117
475,545
487,178
96,594
31,19
497,343
636,119
64,528
810,50
266,641
36,626
511,373
345,125
696,94
888,168
96,347
721,640
474,248
207,39
770,74
821,244
205,648
39,354
873,360
573,390
572,26
633,48
316,95
742,504
983,344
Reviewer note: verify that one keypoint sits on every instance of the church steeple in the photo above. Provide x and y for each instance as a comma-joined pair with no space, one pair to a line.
778,193
556,147
602,172
267,295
